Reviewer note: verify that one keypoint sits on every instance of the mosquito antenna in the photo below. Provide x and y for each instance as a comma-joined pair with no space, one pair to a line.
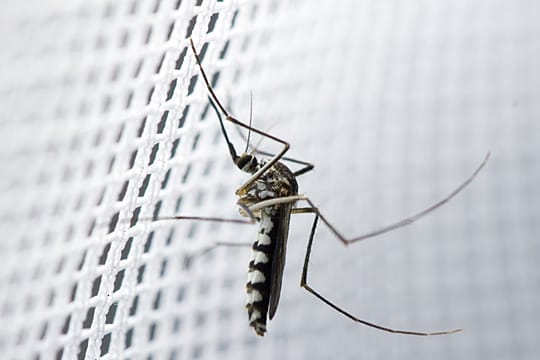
250,119
255,149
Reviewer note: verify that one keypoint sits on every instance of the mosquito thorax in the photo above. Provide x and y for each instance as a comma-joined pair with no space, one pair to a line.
247,163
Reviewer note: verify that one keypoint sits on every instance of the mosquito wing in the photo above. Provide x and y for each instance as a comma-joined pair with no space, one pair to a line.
281,233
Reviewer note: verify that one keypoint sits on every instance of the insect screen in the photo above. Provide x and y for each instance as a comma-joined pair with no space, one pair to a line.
106,129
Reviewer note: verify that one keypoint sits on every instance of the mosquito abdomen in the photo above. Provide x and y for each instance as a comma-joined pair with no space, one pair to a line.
260,266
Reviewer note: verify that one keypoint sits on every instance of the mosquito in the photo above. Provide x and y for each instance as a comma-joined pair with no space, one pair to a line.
269,197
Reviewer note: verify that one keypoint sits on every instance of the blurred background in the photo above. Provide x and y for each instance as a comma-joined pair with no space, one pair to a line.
105,127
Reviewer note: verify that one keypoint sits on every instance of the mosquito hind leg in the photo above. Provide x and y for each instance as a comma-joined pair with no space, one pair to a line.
313,209
304,284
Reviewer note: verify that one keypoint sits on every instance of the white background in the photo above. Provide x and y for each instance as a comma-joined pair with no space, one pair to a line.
394,102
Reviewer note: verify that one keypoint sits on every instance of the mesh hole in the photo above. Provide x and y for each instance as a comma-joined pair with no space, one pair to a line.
123,190
132,159
169,31
191,26
81,262
105,343
87,323
162,122
150,94
163,268
113,222
192,83
134,305
118,280
65,327
129,99
157,208
73,292
234,17
152,331
172,87
129,338
43,331
59,354
83,347
157,301
181,59
126,249
140,274
109,318
148,242
148,35
212,23
135,216
141,127
160,63
137,69
223,52
156,6
183,118
103,258
177,325
153,154
166,178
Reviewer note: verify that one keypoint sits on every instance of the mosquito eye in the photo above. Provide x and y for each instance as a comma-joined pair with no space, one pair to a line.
247,163
244,162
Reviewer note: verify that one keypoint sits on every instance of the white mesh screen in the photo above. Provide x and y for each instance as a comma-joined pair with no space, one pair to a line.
105,123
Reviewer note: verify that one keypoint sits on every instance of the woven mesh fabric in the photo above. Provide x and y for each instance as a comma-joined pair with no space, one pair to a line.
105,125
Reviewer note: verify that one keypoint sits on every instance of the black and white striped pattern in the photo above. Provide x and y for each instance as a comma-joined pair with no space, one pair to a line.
259,271
268,258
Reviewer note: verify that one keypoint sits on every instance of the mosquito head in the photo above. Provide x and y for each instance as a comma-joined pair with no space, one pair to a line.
247,163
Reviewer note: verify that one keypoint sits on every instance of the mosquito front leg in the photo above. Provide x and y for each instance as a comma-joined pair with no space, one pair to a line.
216,244
255,150
242,189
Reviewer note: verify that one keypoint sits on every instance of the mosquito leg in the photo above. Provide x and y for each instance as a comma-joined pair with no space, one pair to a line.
305,285
403,222
218,244
228,117
276,201
407,221
242,189
203,218
307,166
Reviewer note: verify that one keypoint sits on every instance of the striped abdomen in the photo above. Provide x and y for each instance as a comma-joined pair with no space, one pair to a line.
259,271
265,270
